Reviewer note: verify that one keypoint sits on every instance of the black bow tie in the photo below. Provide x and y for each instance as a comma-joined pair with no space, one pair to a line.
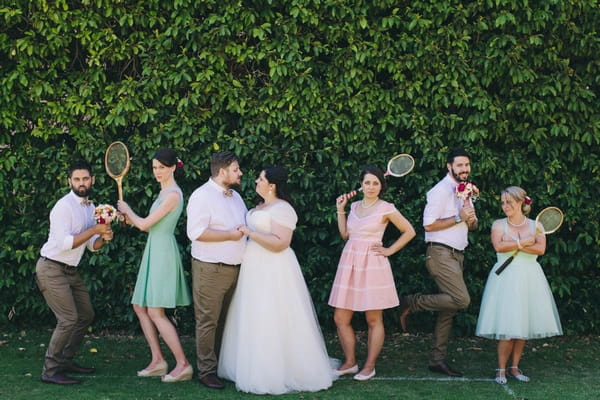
228,192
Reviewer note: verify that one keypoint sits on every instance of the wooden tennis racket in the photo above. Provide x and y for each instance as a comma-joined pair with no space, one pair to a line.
398,166
116,162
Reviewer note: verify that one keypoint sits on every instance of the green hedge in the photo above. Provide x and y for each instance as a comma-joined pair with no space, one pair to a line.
322,87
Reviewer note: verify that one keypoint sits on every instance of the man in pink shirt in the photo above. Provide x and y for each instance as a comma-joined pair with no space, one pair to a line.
447,220
214,212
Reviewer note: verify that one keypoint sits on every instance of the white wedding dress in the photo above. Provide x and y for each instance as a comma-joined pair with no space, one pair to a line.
272,343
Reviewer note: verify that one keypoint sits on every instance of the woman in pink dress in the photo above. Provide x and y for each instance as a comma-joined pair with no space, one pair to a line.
364,280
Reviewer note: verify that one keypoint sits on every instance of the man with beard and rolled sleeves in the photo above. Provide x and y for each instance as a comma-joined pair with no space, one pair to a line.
447,221
214,212
72,229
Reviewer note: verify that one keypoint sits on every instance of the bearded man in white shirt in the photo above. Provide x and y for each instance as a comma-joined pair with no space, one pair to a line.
72,229
214,212
447,220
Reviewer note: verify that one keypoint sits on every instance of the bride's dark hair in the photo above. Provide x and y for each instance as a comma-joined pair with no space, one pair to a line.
278,176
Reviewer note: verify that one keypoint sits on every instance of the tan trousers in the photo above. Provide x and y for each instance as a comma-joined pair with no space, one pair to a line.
69,300
213,287
446,267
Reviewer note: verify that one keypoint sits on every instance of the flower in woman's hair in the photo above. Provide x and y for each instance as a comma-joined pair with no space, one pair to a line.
105,214
467,190
179,163
527,200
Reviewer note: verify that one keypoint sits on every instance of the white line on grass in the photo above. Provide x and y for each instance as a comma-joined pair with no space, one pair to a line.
506,388
509,391
431,378
376,378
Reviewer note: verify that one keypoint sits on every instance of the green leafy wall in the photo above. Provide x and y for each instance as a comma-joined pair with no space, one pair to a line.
322,87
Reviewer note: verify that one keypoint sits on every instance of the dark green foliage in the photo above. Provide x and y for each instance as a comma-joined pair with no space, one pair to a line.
322,87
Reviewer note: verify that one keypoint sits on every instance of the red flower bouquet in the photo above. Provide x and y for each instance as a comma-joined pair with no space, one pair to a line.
467,190
105,214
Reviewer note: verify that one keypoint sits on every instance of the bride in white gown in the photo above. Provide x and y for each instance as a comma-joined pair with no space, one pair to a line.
272,342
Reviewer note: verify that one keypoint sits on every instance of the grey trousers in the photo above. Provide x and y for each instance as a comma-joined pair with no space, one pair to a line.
213,288
68,298
446,267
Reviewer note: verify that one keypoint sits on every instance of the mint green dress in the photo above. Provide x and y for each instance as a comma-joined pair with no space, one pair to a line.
161,282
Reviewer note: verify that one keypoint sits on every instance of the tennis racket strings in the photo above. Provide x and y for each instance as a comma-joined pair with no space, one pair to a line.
551,219
401,165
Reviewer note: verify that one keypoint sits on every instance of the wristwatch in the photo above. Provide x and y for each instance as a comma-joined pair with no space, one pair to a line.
457,219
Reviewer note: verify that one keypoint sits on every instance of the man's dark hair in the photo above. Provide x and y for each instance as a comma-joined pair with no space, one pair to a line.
220,160
457,152
79,164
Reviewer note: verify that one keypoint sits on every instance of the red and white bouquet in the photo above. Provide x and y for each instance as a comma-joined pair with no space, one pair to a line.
105,214
467,190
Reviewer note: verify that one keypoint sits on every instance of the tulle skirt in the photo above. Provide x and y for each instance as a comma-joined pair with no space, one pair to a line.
272,341
518,303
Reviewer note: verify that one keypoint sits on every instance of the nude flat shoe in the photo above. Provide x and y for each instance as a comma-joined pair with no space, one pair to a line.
185,375
159,370
361,377
352,370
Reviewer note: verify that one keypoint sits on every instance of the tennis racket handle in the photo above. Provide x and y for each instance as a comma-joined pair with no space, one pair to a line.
504,265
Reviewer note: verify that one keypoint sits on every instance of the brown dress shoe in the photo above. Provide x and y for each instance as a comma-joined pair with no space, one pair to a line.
212,381
444,368
404,312
78,369
59,379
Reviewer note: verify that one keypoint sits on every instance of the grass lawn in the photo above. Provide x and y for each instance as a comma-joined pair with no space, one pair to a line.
560,368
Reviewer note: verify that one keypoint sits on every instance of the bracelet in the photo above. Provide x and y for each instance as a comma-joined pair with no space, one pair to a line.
341,212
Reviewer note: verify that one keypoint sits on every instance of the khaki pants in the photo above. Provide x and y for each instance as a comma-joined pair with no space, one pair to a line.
68,298
446,267
213,288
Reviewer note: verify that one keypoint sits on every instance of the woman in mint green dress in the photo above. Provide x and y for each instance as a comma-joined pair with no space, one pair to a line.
517,305
161,283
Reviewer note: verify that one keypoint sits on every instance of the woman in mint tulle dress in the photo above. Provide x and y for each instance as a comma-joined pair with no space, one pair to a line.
517,305
161,283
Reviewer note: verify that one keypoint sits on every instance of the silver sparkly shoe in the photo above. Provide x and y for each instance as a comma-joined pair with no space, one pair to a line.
519,376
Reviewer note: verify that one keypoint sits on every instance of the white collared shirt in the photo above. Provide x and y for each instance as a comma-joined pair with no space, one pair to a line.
207,208
69,217
443,203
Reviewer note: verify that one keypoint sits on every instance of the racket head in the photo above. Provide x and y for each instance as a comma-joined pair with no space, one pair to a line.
116,160
549,220
400,165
